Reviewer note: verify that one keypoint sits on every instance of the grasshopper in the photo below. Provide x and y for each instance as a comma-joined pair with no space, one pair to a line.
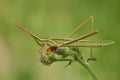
58,49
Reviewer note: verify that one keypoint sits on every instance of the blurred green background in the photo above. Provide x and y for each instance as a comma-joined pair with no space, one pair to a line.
19,55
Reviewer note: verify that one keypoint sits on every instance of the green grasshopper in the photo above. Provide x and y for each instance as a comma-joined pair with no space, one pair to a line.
67,49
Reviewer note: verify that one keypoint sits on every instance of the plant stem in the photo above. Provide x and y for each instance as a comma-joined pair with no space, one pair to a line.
87,67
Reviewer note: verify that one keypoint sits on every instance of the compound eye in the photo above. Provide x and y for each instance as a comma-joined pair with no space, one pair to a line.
51,50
